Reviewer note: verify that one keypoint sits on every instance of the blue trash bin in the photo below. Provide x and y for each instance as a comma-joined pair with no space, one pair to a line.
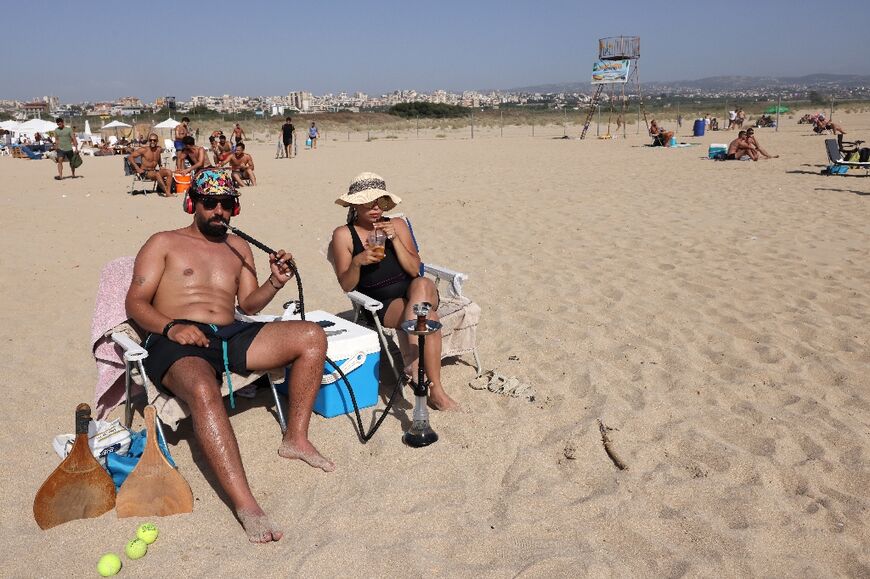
698,128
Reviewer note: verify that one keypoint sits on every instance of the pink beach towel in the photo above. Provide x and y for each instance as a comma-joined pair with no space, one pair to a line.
109,311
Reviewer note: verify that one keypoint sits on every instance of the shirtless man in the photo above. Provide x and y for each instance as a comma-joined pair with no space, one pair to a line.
239,134
750,138
223,148
740,147
196,156
181,131
186,284
242,165
152,166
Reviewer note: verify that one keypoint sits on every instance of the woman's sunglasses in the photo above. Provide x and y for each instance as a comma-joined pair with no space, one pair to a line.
209,203
382,202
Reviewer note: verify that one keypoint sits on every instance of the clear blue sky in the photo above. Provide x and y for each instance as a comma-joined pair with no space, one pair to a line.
100,50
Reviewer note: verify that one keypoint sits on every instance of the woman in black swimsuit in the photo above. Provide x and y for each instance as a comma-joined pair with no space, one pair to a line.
392,277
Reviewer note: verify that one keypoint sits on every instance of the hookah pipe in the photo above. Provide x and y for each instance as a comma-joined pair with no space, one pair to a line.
420,434
364,436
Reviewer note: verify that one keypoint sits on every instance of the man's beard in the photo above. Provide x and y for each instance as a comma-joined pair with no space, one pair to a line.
213,228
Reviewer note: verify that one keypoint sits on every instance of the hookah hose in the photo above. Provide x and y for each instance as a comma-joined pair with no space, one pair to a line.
363,435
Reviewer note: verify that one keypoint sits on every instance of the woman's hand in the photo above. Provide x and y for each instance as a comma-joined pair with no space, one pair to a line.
387,227
368,257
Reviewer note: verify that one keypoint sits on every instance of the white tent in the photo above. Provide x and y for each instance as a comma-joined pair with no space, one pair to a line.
9,125
169,123
88,127
34,126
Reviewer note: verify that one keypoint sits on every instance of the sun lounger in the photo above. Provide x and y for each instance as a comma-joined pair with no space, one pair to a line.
836,159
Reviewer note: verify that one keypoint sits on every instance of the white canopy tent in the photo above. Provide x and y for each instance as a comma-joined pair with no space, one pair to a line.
33,126
11,126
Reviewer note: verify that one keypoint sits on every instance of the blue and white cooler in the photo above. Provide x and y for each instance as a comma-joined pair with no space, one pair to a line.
717,150
357,352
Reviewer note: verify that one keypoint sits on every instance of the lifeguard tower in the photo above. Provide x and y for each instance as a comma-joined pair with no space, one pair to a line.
615,53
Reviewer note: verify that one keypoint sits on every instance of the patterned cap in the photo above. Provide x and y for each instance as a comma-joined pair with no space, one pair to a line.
215,182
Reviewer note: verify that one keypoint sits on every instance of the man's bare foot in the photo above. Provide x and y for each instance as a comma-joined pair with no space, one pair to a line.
441,401
258,527
306,452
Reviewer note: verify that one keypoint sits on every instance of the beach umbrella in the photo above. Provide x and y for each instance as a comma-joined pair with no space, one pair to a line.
88,127
115,125
169,123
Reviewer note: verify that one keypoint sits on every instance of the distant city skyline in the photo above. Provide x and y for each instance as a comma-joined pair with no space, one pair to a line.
93,52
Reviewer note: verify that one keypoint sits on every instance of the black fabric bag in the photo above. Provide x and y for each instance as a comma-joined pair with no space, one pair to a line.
864,155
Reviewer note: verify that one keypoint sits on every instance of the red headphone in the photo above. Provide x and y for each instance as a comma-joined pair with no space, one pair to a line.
188,205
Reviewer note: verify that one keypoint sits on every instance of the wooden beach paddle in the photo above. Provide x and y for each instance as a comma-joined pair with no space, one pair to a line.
154,488
79,488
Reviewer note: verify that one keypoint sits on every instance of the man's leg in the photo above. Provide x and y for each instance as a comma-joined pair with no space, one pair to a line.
165,179
59,165
193,380
250,175
72,169
237,179
304,344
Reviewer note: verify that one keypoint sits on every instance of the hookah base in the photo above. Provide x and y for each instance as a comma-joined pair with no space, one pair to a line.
420,434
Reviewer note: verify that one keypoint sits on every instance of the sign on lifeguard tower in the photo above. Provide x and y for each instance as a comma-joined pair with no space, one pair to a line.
610,71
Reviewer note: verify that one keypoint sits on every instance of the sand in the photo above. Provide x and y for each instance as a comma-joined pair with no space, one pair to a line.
714,315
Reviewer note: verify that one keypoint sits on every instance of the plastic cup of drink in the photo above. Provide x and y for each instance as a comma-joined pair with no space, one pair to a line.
377,239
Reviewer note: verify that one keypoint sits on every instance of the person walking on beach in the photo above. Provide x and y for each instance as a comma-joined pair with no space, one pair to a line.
313,134
65,146
185,288
287,134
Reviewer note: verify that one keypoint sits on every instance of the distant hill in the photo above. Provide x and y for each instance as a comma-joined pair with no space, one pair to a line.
722,83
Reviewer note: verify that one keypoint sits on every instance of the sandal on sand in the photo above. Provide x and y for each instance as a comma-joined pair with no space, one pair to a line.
56,178
508,386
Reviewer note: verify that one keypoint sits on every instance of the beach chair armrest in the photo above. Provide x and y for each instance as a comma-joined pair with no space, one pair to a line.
362,300
132,351
455,278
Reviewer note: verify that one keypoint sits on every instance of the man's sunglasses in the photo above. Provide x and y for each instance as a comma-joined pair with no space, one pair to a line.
152,140
209,203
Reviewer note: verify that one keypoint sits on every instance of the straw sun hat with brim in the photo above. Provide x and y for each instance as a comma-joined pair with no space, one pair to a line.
367,187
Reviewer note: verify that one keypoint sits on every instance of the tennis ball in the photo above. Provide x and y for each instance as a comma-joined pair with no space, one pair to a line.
147,532
109,565
136,549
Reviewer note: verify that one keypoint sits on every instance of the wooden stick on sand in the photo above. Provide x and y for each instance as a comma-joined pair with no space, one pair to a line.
607,447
